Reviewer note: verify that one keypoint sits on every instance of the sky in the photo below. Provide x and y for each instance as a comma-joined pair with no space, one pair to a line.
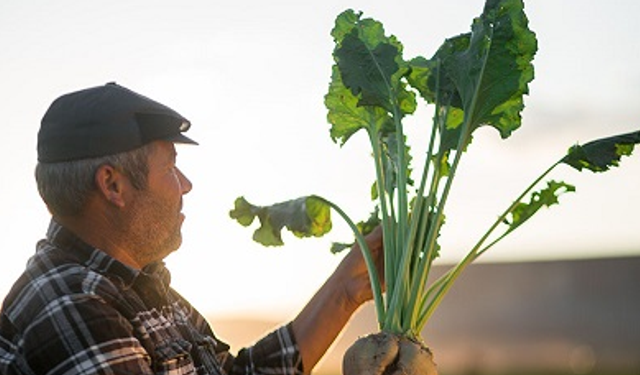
251,79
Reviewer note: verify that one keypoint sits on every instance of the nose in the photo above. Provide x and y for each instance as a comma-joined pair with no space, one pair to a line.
185,183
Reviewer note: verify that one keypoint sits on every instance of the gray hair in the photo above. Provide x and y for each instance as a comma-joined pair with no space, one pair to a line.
65,186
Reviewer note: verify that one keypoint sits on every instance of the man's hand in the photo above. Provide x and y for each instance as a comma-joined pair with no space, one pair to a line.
353,269
322,319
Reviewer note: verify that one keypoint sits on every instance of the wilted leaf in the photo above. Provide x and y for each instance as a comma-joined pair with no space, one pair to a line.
543,198
304,217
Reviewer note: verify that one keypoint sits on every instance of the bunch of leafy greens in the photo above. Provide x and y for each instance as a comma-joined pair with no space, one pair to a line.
474,79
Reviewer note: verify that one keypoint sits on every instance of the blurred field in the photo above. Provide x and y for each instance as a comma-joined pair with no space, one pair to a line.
554,317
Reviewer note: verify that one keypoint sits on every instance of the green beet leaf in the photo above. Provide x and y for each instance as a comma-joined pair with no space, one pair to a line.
367,72
601,154
345,116
489,68
366,89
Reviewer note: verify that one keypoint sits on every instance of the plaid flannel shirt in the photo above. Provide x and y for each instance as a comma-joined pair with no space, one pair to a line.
76,310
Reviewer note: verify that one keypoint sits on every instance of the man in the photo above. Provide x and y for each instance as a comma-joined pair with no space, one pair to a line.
95,298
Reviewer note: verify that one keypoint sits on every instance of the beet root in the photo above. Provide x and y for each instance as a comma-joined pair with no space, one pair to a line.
388,354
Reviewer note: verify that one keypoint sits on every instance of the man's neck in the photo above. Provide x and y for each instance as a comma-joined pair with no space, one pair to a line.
99,232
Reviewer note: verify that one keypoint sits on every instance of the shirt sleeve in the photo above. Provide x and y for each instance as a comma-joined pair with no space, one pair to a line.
81,334
276,353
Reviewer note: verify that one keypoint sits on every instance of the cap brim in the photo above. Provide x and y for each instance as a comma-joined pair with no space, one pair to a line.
180,138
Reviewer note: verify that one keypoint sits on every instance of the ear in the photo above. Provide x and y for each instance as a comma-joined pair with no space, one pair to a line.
111,184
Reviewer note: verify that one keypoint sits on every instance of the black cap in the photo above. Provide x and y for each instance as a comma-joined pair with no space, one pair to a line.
105,120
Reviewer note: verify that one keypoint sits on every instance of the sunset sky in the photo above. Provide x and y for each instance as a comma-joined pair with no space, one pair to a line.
251,78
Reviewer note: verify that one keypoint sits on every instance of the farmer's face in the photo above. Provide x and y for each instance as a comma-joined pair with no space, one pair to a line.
157,216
